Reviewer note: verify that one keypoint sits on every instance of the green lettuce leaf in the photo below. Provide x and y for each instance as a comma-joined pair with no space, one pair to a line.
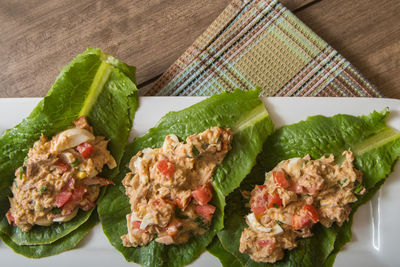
226,258
65,243
376,148
94,85
247,116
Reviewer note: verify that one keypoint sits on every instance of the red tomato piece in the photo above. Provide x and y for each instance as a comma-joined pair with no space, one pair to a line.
10,218
297,188
299,222
311,213
73,202
206,211
259,206
166,168
62,198
266,243
62,166
203,194
280,179
85,149
136,224
274,201
173,227
260,187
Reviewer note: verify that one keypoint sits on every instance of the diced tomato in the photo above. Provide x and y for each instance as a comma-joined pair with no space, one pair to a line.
62,198
85,149
173,227
274,201
10,218
296,187
166,168
259,206
260,187
203,194
136,224
97,181
299,222
62,166
73,202
182,204
206,211
311,213
266,243
280,179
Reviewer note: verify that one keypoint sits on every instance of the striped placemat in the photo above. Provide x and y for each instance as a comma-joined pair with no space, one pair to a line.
261,43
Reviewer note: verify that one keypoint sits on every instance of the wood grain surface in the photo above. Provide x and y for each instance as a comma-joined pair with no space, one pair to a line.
38,37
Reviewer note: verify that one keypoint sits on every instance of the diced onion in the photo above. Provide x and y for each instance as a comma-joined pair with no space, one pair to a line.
66,217
276,229
295,163
147,220
144,178
70,138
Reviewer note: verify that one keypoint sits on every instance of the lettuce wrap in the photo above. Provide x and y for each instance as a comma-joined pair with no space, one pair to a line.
94,85
376,149
246,115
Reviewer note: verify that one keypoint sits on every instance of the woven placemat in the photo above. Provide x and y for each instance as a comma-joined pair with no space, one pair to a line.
261,43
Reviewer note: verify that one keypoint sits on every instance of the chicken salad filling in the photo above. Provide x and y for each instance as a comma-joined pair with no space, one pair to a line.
169,188
58,177
297,194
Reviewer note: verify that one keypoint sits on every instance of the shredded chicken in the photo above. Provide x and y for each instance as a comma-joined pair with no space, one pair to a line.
58,177
169,188
296,194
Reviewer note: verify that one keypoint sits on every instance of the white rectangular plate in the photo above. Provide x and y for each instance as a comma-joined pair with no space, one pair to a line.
375,230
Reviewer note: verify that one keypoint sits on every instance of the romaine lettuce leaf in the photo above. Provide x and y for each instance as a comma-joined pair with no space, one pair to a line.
94,85
67,242
376,148
247,116
226,258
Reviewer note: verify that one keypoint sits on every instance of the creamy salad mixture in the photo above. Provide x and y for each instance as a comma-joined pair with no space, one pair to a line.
58,177
296,194
169,188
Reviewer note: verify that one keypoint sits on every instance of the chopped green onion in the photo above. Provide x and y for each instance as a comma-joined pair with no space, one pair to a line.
195,151
307,161
342,182
75,163
56,211
200,222
42,190
21,173
358,188
279,222
179,214
275,205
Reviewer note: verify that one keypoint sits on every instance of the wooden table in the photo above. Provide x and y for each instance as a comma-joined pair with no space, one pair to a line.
38,37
